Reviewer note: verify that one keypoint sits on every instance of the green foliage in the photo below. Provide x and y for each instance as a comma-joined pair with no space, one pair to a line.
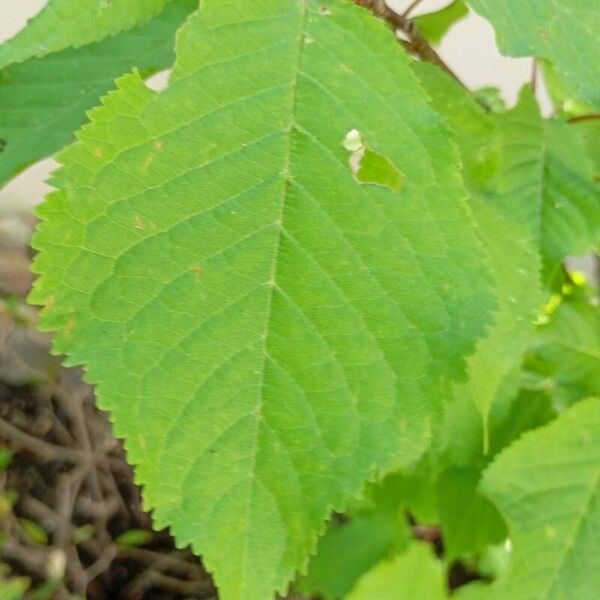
33,532
435,25
5,458
563,32
73,23
469,521
133,538
564,357
347,550
414,574
62,87
546,485
502,154
508,218
316,276
260,295
589,130
13,588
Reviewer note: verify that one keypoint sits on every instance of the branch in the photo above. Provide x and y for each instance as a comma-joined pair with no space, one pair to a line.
581,118
412,7
44,450
417,42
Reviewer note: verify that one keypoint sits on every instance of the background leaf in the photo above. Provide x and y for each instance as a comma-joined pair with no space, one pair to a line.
503,164
546,486
415,573
348,550
565,353
469,521
61,87
71,23
562,32
570,224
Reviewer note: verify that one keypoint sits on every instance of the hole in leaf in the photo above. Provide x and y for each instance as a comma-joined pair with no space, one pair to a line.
371,167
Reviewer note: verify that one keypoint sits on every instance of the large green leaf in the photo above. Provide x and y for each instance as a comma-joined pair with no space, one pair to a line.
547,486
266,330
71,23
564,32
413,574
61,87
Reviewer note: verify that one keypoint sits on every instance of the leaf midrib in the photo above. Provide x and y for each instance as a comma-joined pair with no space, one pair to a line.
273,276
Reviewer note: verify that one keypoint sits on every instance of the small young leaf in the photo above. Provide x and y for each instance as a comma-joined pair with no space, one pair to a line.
435,25
134,538
34,533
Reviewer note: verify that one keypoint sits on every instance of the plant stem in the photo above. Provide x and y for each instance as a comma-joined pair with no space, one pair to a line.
581,118
534,75
412,7
417,42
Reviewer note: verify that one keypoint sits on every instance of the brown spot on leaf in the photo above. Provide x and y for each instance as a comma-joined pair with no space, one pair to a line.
158,145
325,10
3,144
139,222
98,152
198,270
70,328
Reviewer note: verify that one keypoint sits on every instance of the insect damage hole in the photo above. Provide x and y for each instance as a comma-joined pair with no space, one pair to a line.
369,166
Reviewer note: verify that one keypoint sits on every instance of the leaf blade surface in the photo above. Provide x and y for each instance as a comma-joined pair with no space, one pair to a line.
72,23
546,485
253,315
